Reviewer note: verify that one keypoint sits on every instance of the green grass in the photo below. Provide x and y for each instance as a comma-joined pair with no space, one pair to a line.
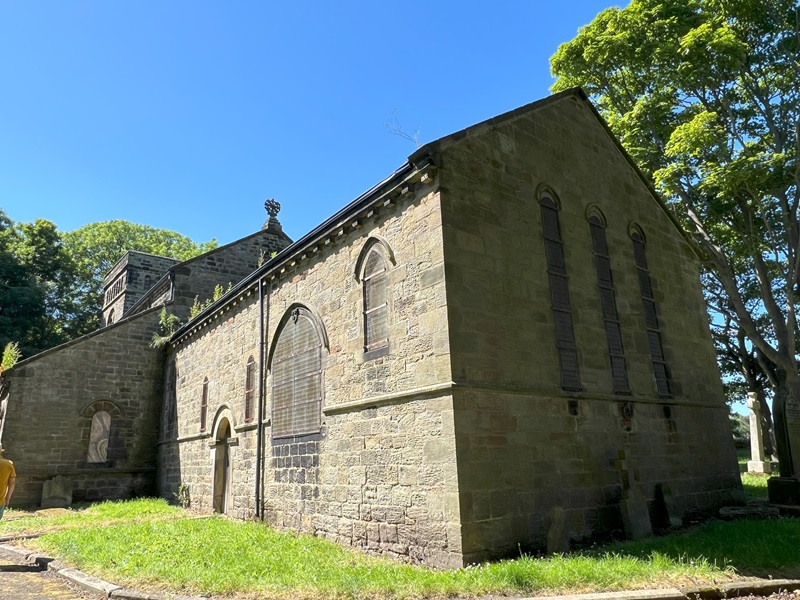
759,548
220,556
755,485
150,545
103,513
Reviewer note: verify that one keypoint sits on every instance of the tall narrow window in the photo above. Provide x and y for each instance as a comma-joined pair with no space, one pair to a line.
204,405
608,304
297,377
249,385
376,327
660,370
559,293
171,408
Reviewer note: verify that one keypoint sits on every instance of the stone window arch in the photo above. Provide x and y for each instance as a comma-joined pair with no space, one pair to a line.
204,405
110,317
559,292
249,389
296,368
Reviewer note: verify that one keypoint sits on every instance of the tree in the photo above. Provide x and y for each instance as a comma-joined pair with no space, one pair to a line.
96,247
705,97
21,299
51,283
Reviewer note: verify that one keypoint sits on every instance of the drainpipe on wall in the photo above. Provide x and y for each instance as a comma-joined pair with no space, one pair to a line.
260,429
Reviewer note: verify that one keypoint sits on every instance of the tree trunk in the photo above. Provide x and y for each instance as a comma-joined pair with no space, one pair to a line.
786,415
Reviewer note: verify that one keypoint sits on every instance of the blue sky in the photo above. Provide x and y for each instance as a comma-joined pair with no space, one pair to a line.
188,115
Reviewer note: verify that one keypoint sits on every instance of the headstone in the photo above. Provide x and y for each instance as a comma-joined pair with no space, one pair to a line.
57,492
793,432
633,506
673,515
756,464
558,533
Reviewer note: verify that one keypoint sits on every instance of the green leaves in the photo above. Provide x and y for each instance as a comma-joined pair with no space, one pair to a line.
51,283
705,96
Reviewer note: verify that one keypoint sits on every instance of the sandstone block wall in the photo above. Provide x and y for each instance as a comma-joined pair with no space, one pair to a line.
522,453
382,472
51,401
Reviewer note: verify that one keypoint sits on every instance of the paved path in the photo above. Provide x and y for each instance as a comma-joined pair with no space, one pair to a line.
30,582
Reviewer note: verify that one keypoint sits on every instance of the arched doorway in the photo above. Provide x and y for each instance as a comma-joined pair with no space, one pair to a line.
222,467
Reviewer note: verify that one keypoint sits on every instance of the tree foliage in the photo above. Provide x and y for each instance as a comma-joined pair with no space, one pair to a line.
51,283
34,282
97,247
705,96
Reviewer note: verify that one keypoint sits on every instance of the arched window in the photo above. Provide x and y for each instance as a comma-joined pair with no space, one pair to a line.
98,437
204,405
110,317
660,371
297,376
608,304
249,389
376,326
559,294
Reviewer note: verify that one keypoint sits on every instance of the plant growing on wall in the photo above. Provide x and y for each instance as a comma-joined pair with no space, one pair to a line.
197,307
167,325
182,496
11,354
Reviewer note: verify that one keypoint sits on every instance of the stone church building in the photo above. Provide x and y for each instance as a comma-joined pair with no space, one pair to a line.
507,330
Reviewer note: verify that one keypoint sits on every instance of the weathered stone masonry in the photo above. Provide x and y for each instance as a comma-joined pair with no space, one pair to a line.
455,444
491,407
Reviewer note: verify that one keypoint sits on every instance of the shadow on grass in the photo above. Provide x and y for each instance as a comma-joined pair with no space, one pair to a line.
754,548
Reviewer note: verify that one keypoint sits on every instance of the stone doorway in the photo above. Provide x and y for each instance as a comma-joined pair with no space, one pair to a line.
222,467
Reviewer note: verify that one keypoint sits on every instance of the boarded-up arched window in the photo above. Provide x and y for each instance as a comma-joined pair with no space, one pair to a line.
297,377
376,326
98,437
249,389
608,304
660,371
559,294
204,405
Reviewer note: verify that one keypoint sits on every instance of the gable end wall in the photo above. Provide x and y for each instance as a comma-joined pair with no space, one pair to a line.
521,451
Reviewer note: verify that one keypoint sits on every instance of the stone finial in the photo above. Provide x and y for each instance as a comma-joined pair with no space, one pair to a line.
272,207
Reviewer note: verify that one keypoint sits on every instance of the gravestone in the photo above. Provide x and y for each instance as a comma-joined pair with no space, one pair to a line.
756,464
633,506
793,432
785,490
57,492
558,533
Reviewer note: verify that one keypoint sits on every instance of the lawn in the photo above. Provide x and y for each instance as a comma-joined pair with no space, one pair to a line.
153,546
